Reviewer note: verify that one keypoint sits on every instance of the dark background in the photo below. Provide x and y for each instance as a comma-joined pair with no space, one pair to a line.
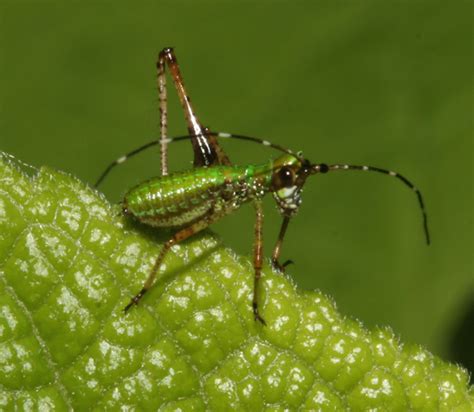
382,83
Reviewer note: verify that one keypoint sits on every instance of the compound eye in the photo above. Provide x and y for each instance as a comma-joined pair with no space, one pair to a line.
285,176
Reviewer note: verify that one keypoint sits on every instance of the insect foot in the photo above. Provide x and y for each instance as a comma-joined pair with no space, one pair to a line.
135,300
281,267
257,316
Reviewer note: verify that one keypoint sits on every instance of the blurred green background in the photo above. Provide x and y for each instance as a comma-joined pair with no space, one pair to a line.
382,83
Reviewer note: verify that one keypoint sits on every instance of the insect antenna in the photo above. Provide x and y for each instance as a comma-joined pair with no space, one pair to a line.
221,135
122,159
324,168
316,168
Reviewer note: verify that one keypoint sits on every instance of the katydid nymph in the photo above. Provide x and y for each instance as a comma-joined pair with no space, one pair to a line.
191,200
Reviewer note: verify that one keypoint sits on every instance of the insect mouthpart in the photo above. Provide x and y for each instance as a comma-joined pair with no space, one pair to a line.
288,200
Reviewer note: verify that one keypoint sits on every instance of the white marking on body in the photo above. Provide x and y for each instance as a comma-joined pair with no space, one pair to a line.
365,168
266,143
225,135
392,173
286,191
346,167
121,159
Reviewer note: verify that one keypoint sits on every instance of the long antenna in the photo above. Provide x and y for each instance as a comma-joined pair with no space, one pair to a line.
123,158
324,168
152,143
317,168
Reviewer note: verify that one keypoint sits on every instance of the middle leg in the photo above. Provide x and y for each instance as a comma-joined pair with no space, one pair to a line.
258,258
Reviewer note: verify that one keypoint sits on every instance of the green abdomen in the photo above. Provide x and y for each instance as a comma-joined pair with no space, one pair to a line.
179,198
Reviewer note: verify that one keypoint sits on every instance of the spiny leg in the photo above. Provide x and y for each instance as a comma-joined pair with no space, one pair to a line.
258,258
162,94
277,249
206,149
175,239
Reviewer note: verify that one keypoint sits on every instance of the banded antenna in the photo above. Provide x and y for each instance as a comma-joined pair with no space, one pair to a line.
319,168
125,157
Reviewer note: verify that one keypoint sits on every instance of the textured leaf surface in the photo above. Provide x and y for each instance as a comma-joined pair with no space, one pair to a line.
68,265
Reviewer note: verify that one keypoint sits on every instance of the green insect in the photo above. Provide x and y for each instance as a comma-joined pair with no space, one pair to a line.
191,200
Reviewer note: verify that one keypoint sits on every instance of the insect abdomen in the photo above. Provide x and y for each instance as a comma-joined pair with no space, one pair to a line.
179,198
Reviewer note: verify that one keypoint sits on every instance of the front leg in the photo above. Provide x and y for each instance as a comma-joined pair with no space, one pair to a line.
277,249
258,258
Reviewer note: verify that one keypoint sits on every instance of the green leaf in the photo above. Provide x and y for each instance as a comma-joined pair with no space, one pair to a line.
69,263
